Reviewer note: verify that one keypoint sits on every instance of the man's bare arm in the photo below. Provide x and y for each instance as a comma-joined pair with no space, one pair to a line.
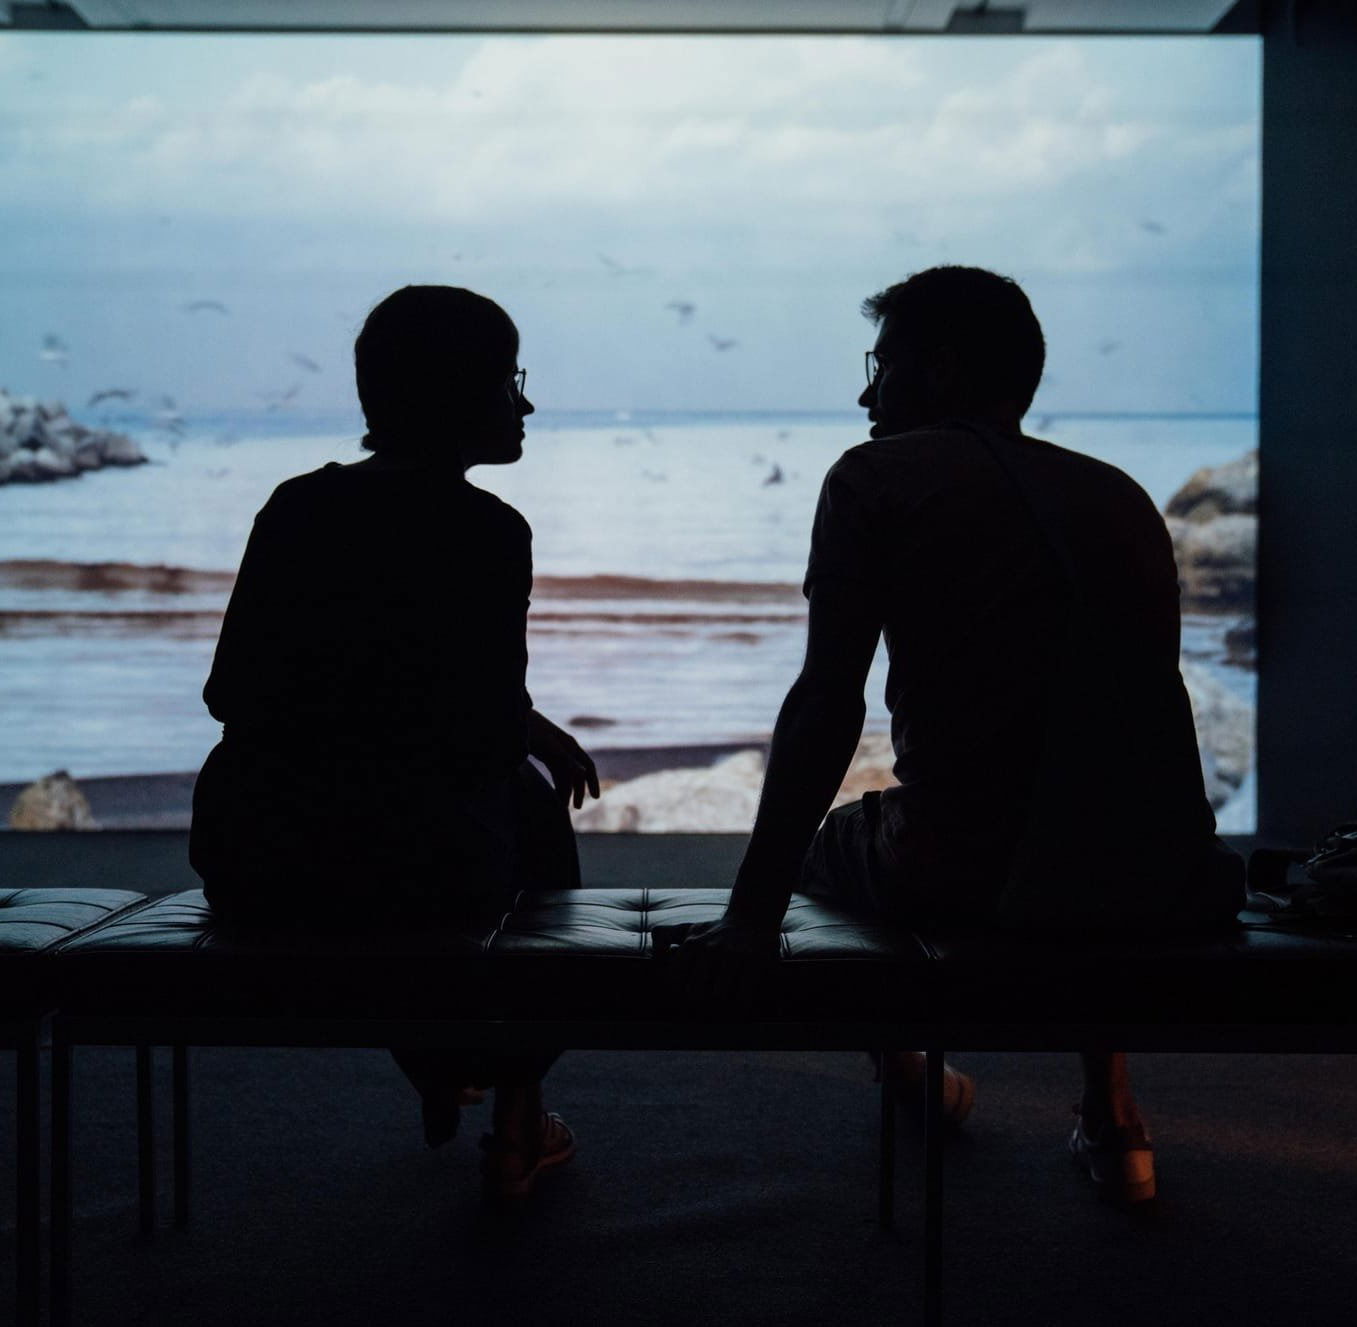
816,734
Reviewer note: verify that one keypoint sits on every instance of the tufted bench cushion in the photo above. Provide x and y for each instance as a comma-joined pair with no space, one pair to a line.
597,947
172,955
33,921
590,948
589,955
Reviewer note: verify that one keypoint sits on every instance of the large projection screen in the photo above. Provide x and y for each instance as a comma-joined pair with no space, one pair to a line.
683,229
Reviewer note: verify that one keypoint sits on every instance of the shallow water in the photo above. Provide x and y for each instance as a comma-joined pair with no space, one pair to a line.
109,681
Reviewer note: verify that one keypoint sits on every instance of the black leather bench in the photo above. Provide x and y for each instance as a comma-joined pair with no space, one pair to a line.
32,923
165,973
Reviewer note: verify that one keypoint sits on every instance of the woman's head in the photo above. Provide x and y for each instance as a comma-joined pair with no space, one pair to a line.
435,368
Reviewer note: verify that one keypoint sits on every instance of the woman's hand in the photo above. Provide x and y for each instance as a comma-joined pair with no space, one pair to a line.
571,769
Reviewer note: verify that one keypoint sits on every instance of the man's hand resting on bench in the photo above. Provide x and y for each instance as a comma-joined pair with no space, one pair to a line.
571,769
725,961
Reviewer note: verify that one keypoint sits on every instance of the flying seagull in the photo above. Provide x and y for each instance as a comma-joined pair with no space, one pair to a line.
204,305
168,416
1108,346
774,476
619,269
277,400
684,308
54,350
111,394
304,362
1153,227
722,342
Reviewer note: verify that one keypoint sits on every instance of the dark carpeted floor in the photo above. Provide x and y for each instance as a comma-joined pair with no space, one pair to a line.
713,1188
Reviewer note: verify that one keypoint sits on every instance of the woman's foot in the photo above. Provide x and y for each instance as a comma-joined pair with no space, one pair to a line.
511,1164
908,1069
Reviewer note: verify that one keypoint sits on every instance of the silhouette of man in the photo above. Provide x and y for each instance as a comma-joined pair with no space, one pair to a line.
1025,592
373,768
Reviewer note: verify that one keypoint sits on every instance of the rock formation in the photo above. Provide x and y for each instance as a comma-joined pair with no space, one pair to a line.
1225,726
53,802
39,441
1213,520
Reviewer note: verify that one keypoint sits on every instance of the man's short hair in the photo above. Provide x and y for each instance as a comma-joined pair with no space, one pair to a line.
983,316
427,355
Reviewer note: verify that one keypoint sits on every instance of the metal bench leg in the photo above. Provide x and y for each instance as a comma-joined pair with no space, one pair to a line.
885,1178
59,1269
181,1138
146,1139
934,1126
27,1184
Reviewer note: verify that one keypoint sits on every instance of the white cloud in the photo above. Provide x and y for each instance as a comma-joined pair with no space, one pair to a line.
808,138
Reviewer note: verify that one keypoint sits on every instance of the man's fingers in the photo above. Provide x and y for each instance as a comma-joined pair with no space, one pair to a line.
591,774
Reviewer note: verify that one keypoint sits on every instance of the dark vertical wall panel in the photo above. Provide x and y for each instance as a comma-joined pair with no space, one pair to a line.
1307,573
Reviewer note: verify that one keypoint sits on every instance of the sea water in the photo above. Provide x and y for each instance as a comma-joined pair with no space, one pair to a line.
104,682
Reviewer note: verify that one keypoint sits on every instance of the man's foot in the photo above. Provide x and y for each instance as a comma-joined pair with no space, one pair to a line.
1118,1158
510,1166
907,1077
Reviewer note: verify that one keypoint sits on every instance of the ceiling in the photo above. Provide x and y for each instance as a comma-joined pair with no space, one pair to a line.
867,16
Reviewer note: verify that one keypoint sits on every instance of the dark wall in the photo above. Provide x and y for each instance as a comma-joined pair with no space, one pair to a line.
1307,570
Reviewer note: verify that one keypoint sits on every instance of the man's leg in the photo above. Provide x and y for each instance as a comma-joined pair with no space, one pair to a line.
1109,1139
846,866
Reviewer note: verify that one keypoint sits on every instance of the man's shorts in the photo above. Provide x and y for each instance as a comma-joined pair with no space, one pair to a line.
852,864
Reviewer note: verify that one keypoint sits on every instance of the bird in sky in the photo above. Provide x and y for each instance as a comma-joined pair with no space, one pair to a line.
684,308
111,394
618,269
722,342
1108,346
774,476
1152,227
304,361
205,306
54,350
277,400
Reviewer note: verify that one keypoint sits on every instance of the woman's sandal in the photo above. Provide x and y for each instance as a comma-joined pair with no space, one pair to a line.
958,1093
509,1170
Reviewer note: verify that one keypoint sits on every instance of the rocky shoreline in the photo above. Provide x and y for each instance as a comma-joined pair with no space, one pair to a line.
40,442
1213,521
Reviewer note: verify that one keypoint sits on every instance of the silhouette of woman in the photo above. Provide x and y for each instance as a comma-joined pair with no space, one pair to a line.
369,677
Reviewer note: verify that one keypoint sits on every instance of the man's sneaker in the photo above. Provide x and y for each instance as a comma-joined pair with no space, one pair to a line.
1118,1158
509,1170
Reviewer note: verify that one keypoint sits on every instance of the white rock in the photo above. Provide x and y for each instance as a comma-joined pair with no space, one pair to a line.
1225,732
51,464
720,799
53,802
121,450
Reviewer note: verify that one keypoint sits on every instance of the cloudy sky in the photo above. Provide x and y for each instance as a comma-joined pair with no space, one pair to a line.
590,184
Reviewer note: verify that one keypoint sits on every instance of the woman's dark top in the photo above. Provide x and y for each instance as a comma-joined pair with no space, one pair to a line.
370,680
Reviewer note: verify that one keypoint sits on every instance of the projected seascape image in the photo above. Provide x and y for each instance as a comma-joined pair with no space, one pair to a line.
683,230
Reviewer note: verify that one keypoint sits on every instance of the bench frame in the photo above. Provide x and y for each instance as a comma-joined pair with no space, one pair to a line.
145,1031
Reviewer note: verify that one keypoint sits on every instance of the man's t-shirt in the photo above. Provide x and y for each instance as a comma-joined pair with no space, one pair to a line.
1011,702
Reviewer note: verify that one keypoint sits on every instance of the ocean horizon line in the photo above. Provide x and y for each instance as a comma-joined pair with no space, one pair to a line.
345,422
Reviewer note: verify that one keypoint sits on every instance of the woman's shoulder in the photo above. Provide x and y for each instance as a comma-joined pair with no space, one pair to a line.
495,510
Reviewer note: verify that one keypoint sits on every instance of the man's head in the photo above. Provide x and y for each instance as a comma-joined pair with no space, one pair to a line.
435,368
954,343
